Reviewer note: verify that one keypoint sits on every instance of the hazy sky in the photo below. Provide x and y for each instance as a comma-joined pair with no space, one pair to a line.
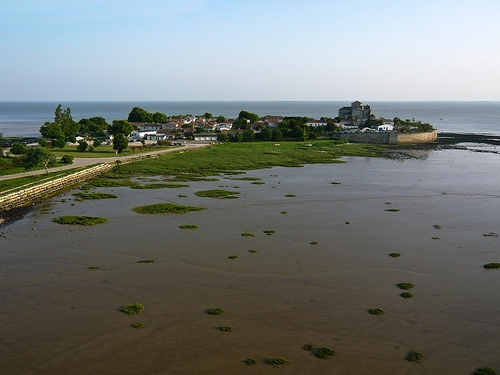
250,50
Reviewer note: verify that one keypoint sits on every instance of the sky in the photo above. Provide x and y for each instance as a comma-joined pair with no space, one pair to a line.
242,50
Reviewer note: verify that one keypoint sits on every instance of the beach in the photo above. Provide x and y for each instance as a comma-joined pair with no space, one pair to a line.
315,275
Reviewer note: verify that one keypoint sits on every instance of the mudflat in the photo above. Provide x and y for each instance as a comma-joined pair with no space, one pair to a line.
323,263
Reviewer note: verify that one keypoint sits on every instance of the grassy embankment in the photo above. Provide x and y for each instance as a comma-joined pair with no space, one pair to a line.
224,158
235,158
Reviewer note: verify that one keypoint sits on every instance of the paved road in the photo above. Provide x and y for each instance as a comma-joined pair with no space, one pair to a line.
83,162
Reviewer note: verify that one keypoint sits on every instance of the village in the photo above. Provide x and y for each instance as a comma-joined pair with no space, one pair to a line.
356,118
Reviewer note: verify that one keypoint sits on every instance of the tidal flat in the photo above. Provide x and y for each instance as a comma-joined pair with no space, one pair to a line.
60,317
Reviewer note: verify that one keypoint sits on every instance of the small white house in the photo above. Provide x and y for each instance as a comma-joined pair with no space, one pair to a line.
211,137
316,123
385,127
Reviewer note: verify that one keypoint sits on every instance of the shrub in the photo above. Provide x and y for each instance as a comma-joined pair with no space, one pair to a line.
233,256
215,311
89,196
250,361
406,295
80,220
226,328
491,266
324,352
276,361
413,356
394,255
138,325
491,234
18,149
165,208
217,193
308,347
376,311
67,159
484,371
134,309
405,286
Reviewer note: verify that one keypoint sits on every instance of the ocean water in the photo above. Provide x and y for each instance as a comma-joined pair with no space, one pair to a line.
25,118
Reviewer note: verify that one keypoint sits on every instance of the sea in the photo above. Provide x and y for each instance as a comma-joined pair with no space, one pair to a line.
23,119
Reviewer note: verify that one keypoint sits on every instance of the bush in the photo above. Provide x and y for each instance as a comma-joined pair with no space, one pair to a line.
188,226
250,361
18,149
491,266
308,347
146,261
138,325
134,309
405,286
82,146
276,361
484,371
376,311
226,328
324,352
80,220
67,159
406,295
233,256
413,356
215,311
165,208
42,142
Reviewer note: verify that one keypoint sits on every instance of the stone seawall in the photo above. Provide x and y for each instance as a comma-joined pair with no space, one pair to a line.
387,138
33,194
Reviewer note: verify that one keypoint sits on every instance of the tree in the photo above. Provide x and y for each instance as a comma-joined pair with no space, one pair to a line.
121,127
18,149
223,137
248,135
65,120
221,119
160,118
120,142
38,155
277,135
51,131
42,142
252,117
266,134
208,115
82,146
137,114
96,143
96,126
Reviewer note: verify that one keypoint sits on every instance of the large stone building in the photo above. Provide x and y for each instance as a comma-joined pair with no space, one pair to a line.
357,112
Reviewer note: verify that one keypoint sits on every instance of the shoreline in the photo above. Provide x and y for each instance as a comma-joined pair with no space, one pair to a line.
288,294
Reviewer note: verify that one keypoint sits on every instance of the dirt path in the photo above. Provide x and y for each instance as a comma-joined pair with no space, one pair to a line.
84,162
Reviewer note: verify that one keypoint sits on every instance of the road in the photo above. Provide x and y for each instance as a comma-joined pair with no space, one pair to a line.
84,162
